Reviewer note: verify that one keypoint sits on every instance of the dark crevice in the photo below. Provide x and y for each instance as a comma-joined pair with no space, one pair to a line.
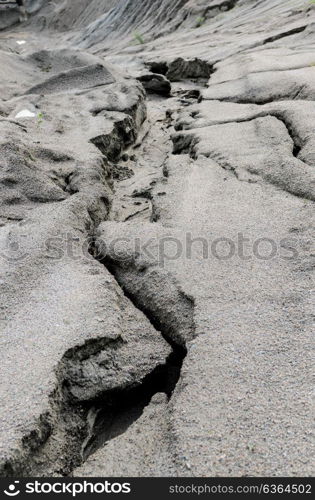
291,32
185,144
160,67
190,94
220,7
66,419
183,69
124,132
241,100
118,410
123,408
296,150
259,101
112,144
8,120
156,84
297,142
158,321
195,69
113,413
190,141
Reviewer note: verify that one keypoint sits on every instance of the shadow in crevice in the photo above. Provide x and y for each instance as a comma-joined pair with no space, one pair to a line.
123,408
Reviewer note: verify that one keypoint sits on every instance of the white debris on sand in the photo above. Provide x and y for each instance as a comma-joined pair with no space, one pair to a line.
25,113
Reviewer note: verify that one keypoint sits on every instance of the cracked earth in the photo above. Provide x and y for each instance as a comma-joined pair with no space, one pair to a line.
157,188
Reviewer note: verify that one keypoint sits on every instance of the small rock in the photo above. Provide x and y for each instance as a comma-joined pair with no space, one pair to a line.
157,84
